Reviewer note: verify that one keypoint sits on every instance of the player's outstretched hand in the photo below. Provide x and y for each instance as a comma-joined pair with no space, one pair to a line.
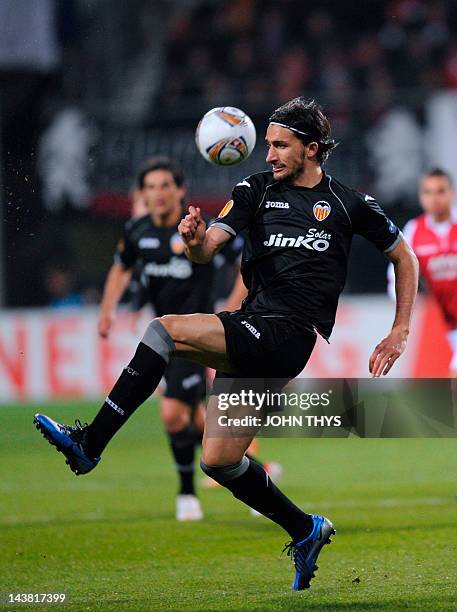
105,322
192,228
387,352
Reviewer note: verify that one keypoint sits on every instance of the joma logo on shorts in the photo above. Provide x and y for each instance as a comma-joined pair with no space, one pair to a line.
251,328
314,240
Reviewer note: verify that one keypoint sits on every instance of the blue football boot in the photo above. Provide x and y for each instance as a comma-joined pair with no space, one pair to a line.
68,440
304,553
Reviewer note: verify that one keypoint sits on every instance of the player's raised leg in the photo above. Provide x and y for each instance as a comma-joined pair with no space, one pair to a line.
199,337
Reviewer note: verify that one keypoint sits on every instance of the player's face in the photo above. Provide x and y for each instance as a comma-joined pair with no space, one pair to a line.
161,194
286,153
436,196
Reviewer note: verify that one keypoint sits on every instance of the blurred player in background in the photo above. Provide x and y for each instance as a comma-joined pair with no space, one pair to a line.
165,278
433,237
296,269
150,261
137,289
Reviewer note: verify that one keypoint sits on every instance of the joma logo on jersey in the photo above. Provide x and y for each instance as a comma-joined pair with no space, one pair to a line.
251,328
321,210
314,240
277,204
149,243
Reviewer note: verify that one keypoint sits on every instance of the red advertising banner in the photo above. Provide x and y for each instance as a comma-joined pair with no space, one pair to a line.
48,354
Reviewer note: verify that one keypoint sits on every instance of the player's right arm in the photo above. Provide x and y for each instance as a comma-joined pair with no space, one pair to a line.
117,281
200,244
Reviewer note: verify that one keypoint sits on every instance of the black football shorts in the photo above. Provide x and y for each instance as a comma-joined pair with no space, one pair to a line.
266,346
185,380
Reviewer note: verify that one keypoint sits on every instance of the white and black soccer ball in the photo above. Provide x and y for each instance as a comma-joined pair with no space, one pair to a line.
225,136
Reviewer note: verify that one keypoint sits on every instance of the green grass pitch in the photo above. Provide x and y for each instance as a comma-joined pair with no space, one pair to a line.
109,539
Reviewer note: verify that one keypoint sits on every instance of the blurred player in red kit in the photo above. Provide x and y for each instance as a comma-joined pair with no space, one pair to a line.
433,237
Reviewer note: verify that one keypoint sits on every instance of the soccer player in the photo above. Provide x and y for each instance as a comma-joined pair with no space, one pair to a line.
300,224
433,237
152,246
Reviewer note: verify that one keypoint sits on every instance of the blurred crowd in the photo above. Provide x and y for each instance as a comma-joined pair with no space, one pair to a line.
93,87
350,52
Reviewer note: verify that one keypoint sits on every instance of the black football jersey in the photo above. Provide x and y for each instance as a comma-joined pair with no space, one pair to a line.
297,244
174,285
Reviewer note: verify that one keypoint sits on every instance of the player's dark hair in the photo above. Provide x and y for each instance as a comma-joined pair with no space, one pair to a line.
308,122
439,172
161,163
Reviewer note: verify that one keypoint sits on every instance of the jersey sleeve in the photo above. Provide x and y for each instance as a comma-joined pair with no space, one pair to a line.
407,233
371,222
126,253
239,211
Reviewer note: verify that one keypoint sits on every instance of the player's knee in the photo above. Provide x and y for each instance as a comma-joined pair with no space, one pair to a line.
224,473
159,339
174,420
174,326
218,455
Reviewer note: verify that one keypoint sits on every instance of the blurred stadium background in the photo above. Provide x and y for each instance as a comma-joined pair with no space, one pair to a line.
90,88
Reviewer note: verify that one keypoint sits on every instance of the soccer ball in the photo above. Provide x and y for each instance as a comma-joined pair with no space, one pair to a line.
225,136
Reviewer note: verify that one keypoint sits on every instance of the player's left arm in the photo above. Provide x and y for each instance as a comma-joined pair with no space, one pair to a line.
407,232
406,269
237,295
369,220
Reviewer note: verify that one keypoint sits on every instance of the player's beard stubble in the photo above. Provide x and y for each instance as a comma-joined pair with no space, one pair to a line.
295,169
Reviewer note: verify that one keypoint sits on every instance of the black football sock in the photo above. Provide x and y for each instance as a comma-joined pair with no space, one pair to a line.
255,488
252,458
183,448
198,436
136,383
